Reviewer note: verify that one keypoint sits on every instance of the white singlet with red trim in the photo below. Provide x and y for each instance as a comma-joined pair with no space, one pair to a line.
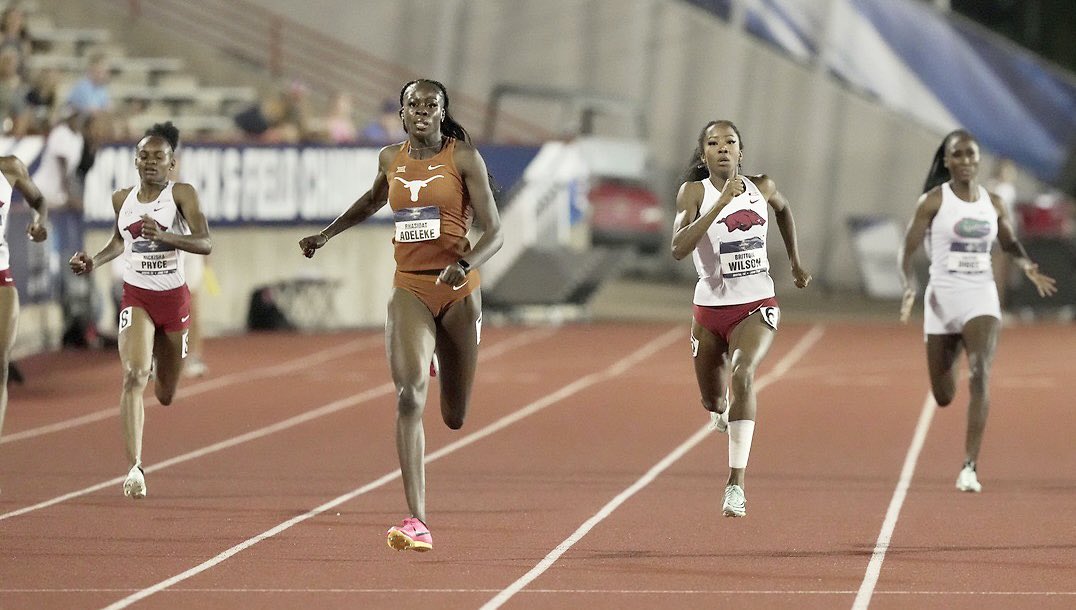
5,207
151,264
731,258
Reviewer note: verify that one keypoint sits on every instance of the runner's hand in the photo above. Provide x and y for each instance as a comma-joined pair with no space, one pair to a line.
801,276
37,231
81,263
311,243
1046,285
453,275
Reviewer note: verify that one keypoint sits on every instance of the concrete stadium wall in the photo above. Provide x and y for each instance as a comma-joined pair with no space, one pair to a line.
246,258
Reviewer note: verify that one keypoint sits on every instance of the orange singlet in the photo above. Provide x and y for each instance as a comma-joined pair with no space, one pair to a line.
432,214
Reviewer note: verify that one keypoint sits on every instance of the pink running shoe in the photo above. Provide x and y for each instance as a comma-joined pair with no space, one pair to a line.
412,534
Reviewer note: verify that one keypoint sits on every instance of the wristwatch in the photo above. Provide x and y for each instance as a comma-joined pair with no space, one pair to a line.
464,265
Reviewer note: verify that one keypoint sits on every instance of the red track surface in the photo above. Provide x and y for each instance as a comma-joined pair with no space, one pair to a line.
833,434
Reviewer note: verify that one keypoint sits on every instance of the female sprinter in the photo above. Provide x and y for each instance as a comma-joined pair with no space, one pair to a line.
13,175
721,221
960,220
434,181
155,222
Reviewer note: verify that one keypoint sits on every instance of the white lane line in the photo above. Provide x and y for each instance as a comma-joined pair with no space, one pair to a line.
332,407
565,591
246,376
797,352
889,524
617,368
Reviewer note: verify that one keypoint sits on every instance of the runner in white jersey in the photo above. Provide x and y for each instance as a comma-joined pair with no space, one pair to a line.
13,175
151,233
959,220
735,312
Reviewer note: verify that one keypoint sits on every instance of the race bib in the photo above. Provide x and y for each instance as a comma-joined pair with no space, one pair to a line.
745,257
417,224
153,258
969,257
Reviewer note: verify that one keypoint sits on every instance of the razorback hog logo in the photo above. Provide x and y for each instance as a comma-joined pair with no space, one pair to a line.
135,228
742,220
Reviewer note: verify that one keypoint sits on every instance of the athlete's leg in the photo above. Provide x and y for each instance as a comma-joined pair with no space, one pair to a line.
712,368
942,354
136,350
410,335
748,342
980,336
169,349
457,352
9,322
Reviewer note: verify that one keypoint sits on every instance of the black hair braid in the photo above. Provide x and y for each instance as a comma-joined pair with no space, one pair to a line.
696,169
166,130
939,174
449,126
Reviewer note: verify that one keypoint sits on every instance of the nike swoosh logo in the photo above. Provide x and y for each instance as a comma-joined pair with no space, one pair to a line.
461,285
157,209
184,318
754,200
433,167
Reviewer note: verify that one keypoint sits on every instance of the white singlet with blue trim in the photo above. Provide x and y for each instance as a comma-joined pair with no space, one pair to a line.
731,258
151,264
5,207
958,243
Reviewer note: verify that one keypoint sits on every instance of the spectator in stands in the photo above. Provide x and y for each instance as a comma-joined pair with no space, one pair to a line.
386,128
156,221
14,176
42,100
340,122
435,181
280,118
90,93
14,34
13,108
56,174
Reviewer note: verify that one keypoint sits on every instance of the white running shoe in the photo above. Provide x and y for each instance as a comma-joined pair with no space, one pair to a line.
735,502
195,368
967,480
719,421
135,485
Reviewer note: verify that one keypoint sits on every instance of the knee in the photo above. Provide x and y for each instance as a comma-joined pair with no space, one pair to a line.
979,370
135,378
410,400
743,377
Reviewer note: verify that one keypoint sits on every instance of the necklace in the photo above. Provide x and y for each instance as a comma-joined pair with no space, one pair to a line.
432,146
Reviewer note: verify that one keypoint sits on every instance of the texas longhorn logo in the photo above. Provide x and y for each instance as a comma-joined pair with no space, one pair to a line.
742,220
416,185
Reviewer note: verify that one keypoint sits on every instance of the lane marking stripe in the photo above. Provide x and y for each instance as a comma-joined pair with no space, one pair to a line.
874,567
576,386
797,352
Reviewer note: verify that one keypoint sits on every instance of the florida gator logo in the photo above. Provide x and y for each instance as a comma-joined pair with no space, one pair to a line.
972,227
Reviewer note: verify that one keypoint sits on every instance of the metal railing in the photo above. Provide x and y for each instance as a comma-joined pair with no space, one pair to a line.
283,46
